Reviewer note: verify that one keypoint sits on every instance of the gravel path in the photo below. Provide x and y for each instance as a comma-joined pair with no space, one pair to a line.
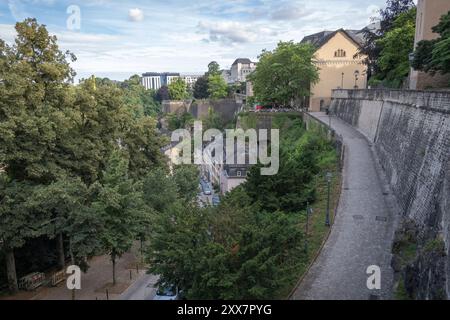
363,231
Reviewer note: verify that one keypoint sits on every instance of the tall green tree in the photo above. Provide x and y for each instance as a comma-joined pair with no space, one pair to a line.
178,90
217,87
386,18
284,76
119,205
201,88
433,55
213,69
137,97
396,45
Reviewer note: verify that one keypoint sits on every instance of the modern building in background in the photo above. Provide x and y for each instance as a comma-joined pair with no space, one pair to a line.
190,79
429,13
340,65
154,80
239,71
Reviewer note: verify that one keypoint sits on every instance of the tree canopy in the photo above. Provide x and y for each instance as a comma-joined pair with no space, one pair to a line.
395,46
434,55
284,76
178,90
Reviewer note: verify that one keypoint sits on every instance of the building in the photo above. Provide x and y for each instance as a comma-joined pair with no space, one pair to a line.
154,80
339,63
226,176
240,70
429,13
190,79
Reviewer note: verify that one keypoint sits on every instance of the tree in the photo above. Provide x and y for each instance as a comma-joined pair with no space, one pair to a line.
162,94
285,75
119,206
17,223
370,47
433,55
140,99
217,87
213,69
33,111
213,120
178,90
201,88
34,114
396,45
186,178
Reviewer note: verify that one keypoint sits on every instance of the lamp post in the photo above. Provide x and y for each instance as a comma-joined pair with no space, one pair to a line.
329,176
356,78
309,212
342,81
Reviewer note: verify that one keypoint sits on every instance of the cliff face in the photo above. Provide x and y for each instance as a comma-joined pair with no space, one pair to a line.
411,133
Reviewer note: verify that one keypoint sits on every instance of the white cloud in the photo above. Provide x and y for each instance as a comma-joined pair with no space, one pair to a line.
136,14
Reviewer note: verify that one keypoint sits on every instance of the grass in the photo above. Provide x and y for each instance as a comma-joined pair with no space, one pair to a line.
318,231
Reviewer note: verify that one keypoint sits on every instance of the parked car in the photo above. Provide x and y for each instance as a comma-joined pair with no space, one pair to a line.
216,200
167,293
206,188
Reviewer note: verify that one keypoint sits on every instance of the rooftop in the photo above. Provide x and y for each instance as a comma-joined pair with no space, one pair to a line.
242,61
320,38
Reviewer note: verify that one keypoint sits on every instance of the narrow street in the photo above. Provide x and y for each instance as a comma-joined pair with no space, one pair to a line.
363,230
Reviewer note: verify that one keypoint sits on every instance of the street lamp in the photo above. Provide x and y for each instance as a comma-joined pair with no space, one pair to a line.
329,176
356,78
309,212
342,81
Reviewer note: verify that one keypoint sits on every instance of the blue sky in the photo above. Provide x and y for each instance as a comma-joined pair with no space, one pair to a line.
120,38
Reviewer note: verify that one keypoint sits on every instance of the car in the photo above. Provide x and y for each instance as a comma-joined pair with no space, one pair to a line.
216,200
206,188
167,293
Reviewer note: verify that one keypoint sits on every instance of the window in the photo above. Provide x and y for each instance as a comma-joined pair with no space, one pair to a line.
340,53
239,174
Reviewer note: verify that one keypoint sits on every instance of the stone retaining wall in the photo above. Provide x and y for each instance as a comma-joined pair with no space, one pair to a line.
411,133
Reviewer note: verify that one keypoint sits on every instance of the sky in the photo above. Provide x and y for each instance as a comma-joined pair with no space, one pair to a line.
119,38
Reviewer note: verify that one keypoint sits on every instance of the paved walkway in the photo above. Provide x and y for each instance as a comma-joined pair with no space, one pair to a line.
363,231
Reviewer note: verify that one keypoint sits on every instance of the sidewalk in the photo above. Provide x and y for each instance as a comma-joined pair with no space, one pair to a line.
93,283
363,230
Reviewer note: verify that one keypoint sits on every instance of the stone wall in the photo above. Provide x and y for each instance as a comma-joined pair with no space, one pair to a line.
411,133
226,108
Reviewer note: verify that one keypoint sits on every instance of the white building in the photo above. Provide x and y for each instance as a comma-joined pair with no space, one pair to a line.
241,69
154,80
190,79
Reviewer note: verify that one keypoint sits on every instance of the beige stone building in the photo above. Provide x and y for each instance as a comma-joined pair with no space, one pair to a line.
340,66
429,13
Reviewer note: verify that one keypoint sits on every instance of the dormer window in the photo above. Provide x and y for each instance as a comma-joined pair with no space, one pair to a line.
340,54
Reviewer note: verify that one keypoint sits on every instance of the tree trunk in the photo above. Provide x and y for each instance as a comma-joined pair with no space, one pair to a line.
60,249
11,271
142,250
113,259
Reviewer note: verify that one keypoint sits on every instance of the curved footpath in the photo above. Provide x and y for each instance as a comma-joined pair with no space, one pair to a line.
363,231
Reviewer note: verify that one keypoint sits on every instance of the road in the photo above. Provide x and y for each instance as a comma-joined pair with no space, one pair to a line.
363,230
142,289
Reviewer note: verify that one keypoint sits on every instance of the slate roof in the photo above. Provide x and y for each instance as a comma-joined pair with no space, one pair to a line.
242,61
321,38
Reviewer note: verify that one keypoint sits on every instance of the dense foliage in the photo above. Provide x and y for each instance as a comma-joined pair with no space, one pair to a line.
395,47
72,155
284,76
178,90
371,47
248,247
434,55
